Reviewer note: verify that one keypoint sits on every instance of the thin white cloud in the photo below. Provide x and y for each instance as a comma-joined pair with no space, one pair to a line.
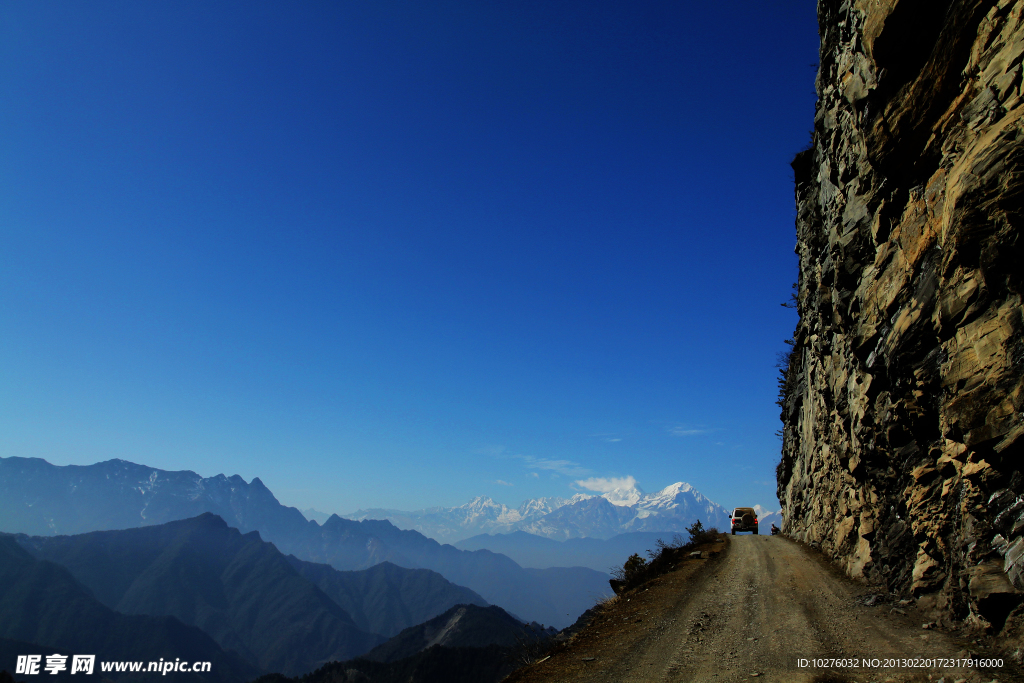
686,430
503,482
607,437
606,484
533,474
566,467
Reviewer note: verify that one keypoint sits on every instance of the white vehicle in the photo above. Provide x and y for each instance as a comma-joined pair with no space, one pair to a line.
744,519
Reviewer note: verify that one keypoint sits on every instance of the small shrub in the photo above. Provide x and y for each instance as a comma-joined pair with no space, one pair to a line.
662,547
631,570
663,558
699,535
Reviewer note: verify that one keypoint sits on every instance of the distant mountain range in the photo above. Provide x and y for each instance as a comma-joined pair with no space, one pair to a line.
315,515
41,499
242,591
553,596
386,598
135,563
198,588
616,512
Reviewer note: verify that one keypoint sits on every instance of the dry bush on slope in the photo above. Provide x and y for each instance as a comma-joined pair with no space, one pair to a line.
636,570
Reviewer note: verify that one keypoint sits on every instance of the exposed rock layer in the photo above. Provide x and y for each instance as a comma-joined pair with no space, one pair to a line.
902,426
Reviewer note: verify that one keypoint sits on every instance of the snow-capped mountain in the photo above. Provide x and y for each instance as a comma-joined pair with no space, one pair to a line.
538,507
624,497
765,517
680,500
618,511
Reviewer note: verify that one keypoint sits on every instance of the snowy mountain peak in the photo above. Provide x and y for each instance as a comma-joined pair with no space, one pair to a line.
624,497
481,503
578,497
540,506
670,497
675,489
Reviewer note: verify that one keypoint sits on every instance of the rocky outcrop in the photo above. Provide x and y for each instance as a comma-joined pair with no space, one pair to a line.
902,434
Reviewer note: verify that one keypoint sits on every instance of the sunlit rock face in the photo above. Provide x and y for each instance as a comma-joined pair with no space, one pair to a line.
901,411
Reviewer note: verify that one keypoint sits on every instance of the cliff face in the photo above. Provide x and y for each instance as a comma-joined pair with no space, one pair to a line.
902,436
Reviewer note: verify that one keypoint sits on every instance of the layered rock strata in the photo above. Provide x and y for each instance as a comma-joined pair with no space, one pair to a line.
902,435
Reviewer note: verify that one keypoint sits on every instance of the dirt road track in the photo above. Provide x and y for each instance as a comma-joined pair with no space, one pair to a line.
748,616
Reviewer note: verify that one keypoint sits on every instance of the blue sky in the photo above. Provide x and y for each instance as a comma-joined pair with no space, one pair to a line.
400,254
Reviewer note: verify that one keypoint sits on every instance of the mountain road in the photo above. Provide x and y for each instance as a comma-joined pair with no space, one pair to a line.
763,608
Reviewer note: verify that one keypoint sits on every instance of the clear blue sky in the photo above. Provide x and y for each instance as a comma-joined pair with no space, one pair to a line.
399,254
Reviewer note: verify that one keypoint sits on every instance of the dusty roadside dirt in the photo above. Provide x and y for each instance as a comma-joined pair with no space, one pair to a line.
748,615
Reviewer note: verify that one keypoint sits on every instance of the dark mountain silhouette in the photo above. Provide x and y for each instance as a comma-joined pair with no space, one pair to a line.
386,598
461,626
240,590
39,498
44,605
530,550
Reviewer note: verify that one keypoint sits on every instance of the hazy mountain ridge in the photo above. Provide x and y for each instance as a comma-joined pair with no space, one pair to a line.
39,498
238,589
530,594
615,512
215,575
386,598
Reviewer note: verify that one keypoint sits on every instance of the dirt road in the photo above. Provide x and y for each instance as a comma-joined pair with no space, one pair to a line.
751,614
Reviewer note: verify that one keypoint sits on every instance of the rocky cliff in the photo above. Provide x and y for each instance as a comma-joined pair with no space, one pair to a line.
902,434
